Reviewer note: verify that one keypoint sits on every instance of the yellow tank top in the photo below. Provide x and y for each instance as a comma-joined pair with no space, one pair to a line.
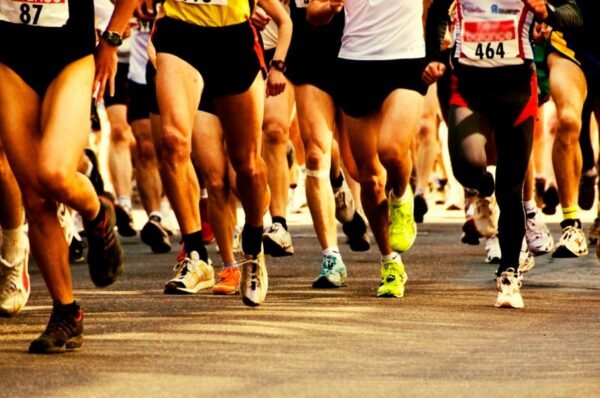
211,13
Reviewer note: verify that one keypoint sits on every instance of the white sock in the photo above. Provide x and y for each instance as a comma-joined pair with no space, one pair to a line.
125,201
392,256
529,206
156,213
332,251
203,193
14,243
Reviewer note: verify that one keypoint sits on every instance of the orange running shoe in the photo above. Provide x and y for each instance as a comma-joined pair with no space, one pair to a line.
229,281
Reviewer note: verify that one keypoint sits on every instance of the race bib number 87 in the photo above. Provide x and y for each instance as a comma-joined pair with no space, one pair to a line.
490,40
46,13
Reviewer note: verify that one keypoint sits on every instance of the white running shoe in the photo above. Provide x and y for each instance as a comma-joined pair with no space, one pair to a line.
539,238
572,242
344,203
14,282
192,275
67,223
493,255
486,216
277,241
509,285
526,259
254,280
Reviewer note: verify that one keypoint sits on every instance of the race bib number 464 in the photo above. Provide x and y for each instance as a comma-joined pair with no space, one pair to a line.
490,40
46,13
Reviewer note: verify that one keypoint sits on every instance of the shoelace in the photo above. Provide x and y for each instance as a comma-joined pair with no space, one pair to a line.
329,263
59,323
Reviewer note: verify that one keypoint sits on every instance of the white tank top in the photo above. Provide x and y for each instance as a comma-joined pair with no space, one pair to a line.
271,33
492,33
138,58
383,30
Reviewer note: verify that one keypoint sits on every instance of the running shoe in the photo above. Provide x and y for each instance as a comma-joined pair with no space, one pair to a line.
493,255
486,216
587,190
440,192
77,250
539,238
356,232
403,228
393,278
105,255
526,258
277,241
254,280
333,273
594,233
508,285
191,275
63,333
344,203
124,221
420,207
66,221
572,242
470,234
14,282
154,235
229,281
551,200
95,176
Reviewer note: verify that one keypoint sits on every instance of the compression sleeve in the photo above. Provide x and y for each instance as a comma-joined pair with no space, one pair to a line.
435,28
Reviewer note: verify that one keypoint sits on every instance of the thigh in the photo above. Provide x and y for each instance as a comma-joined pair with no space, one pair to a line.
468,132
241,116
401,113
362,136
178,89
66,116
568,86
316,116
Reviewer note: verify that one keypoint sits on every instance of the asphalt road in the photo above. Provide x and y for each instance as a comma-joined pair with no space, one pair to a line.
443,339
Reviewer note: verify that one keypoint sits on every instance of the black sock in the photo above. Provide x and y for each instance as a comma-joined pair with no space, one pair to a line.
193,242
280,220
336,182
487,184
252,240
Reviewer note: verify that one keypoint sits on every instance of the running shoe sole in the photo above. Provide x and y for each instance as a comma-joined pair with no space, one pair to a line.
152,235
41,347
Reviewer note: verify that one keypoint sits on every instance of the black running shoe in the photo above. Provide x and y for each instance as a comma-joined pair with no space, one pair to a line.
95,176
356,231
105,255
551,200
76,250
587,191
154,235
420,208
124,222
63,333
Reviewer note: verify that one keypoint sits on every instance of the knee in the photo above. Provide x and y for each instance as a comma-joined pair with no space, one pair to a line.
392,155
569,128
316,158
275,132
34,203
120,134
371,182
56,182
176,148
245,165
145,151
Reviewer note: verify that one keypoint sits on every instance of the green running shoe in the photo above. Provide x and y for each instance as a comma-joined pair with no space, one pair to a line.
403,228
333,273
393,278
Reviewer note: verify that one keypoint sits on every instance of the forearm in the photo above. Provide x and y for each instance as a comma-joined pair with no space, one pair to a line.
120,17
566,15
435,29
319,12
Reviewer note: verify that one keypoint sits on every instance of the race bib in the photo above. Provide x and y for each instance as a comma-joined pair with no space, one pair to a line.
206,2
302,3
490,40
46,13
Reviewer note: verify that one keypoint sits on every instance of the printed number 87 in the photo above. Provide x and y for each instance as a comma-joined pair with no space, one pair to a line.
26,16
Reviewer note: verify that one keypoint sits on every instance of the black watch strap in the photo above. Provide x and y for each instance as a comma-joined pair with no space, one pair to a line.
112,38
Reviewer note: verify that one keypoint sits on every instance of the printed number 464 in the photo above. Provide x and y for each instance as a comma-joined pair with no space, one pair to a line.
26,11
490,52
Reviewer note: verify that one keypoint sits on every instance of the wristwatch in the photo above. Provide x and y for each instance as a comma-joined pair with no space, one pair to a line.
112,38
278,65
